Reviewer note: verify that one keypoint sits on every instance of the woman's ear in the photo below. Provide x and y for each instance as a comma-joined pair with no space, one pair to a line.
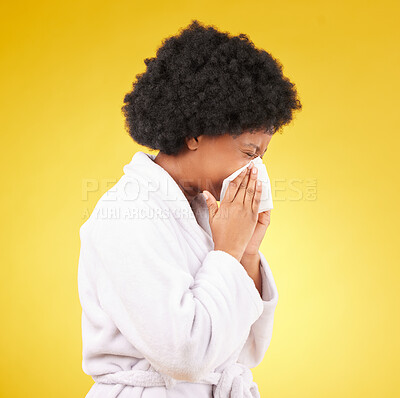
192,142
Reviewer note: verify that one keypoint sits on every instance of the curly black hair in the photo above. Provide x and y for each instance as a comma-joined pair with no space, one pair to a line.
204,81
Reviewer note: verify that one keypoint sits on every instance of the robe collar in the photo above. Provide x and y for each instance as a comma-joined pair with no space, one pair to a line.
159,185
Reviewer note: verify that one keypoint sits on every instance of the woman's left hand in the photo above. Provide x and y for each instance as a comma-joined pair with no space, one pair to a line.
258,234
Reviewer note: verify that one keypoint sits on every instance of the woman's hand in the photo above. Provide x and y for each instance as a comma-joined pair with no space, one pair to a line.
251,259
261,227
233,223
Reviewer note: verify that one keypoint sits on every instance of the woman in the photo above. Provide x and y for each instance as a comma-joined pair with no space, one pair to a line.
177,299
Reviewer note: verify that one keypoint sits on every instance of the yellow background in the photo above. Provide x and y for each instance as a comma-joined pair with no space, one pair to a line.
334,253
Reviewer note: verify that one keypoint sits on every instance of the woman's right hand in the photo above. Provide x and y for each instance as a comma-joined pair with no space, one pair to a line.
233,223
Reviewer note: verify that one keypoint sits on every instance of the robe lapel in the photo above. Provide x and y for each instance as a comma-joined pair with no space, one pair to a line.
163,191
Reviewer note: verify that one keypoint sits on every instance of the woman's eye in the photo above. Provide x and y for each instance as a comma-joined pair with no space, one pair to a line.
251,154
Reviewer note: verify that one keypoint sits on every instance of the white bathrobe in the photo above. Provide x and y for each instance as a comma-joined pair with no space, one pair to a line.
163,313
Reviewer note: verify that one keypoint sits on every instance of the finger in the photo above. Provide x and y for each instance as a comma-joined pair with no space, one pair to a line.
212,204
264,217
233,187
251,188
257,196
243,185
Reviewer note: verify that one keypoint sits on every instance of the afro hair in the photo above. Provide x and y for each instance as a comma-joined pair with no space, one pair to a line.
204,81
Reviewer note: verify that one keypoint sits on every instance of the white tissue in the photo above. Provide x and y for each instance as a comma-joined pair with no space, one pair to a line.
262,175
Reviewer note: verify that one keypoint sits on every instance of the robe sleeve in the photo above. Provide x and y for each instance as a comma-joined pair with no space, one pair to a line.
185,325
260,334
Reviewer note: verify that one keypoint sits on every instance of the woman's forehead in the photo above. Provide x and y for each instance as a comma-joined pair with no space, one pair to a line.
257,141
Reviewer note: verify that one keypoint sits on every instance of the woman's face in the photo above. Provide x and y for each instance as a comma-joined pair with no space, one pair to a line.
209,160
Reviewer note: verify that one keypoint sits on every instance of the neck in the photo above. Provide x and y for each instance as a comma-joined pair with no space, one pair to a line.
175,167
